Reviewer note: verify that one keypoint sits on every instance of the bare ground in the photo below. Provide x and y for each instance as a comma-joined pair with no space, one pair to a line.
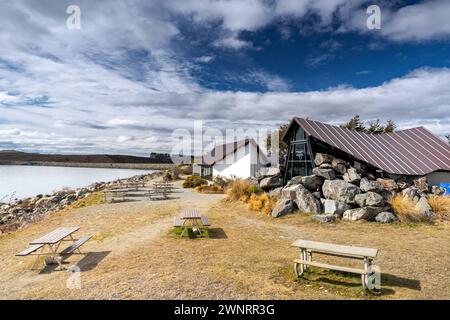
133,255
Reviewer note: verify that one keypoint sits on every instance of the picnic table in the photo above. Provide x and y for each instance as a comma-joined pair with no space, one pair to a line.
307,248
190,218
49,245
161,189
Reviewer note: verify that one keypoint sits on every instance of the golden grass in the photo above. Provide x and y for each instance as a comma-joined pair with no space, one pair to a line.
406,211
262,203
239,189
212,189
440,206
93,199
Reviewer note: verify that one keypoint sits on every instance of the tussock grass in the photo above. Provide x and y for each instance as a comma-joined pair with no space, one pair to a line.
262,202
93,199
212,189
440,206
406,211
240,189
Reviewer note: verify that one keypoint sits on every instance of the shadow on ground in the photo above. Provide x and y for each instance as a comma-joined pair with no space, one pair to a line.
217,233
88,262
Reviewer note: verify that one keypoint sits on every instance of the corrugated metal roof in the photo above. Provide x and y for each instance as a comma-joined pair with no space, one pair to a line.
221,151
414,151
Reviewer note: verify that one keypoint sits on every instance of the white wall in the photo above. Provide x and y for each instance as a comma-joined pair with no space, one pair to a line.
242,164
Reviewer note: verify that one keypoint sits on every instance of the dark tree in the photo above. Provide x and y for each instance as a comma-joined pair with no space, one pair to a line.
448,138
373,127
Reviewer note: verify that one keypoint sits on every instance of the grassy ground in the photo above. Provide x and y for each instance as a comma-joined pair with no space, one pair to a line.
136,254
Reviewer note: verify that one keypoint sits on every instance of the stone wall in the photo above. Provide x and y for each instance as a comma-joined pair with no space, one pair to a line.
338,190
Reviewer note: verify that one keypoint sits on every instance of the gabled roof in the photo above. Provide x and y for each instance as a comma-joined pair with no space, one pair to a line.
221,151
414,151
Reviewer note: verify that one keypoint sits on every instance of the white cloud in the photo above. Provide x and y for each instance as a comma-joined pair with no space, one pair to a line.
122,139
204,59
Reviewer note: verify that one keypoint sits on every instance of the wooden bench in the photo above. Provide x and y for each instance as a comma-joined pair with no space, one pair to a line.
29,250
307,248
177,222
205,221
75,246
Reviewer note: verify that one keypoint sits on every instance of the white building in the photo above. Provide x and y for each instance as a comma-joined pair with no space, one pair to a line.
240,159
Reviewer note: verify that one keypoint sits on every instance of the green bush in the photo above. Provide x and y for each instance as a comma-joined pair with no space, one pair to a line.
194,182
253,188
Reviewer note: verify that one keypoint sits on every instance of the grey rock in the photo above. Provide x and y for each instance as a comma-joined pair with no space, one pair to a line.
271,183
352,176
275,192
369,199
366,185
334,207
283,207
327,218
340,190
402,185
366,213
327,174
312,183
386,217
323,158
326,166
424,209
340,166
388,184
437,191
317,194
290,192
421,184
412,193
306,202
295,180
360,167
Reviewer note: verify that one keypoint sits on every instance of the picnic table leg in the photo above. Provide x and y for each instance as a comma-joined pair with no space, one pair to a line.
36,261
365,276
296,265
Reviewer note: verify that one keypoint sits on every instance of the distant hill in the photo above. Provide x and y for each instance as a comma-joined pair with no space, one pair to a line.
11,155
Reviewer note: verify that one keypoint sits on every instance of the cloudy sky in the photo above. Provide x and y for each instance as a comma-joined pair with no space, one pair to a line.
137,70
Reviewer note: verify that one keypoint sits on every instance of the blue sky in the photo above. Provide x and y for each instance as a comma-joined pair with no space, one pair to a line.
138,70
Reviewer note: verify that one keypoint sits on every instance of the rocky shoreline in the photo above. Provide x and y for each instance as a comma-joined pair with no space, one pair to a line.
19,213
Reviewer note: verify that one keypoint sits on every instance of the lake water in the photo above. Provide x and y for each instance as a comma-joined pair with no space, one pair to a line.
28,181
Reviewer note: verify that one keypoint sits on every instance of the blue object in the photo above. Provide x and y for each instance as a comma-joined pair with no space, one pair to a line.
446,186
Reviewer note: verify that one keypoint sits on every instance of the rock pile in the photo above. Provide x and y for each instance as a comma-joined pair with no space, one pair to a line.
337,190
19,213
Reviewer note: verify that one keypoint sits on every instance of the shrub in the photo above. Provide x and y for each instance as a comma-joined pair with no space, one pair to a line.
171,174
440,206
262,203
239,188
406,211
214,188
253,188
194,181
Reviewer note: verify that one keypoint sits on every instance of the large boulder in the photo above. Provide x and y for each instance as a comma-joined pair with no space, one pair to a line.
295,180
306,202
421,184
388,184
334,207
366,185
271,182
312,183
424,209
275,192
340,166
340,190
328,174
412,193
322,158
369,199
437,191
386,217
324,218
290,192
283,207
352,176
366,213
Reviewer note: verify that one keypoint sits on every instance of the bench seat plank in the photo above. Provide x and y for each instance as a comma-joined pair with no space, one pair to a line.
330,266
205,221
177,222
336,249
29,250
77,244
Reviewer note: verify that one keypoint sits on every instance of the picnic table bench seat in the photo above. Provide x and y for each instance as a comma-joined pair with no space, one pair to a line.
307,248
177,222
76,245
205,221
29,250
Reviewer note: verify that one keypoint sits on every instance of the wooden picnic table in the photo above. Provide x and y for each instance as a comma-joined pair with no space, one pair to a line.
50,243
190,218
161,189
308,248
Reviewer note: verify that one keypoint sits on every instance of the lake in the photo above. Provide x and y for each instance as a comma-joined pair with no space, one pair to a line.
28,181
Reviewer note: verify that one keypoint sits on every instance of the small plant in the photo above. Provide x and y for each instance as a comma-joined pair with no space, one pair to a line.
93,199
440,206
212,189
239,188
254,189
194,182
262,203
406,210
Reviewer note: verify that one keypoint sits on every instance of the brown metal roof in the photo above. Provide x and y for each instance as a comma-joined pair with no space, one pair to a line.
221,151
414,151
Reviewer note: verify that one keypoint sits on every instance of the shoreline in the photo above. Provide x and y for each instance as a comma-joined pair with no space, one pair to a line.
142,166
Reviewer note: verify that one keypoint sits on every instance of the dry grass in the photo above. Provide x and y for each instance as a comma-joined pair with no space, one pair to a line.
212,189
440,206
93,199
262,203
406,211
240,189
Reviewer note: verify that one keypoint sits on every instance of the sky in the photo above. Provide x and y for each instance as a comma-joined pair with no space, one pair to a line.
135,71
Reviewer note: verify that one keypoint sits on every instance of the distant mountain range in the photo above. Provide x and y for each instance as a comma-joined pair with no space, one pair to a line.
12,156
